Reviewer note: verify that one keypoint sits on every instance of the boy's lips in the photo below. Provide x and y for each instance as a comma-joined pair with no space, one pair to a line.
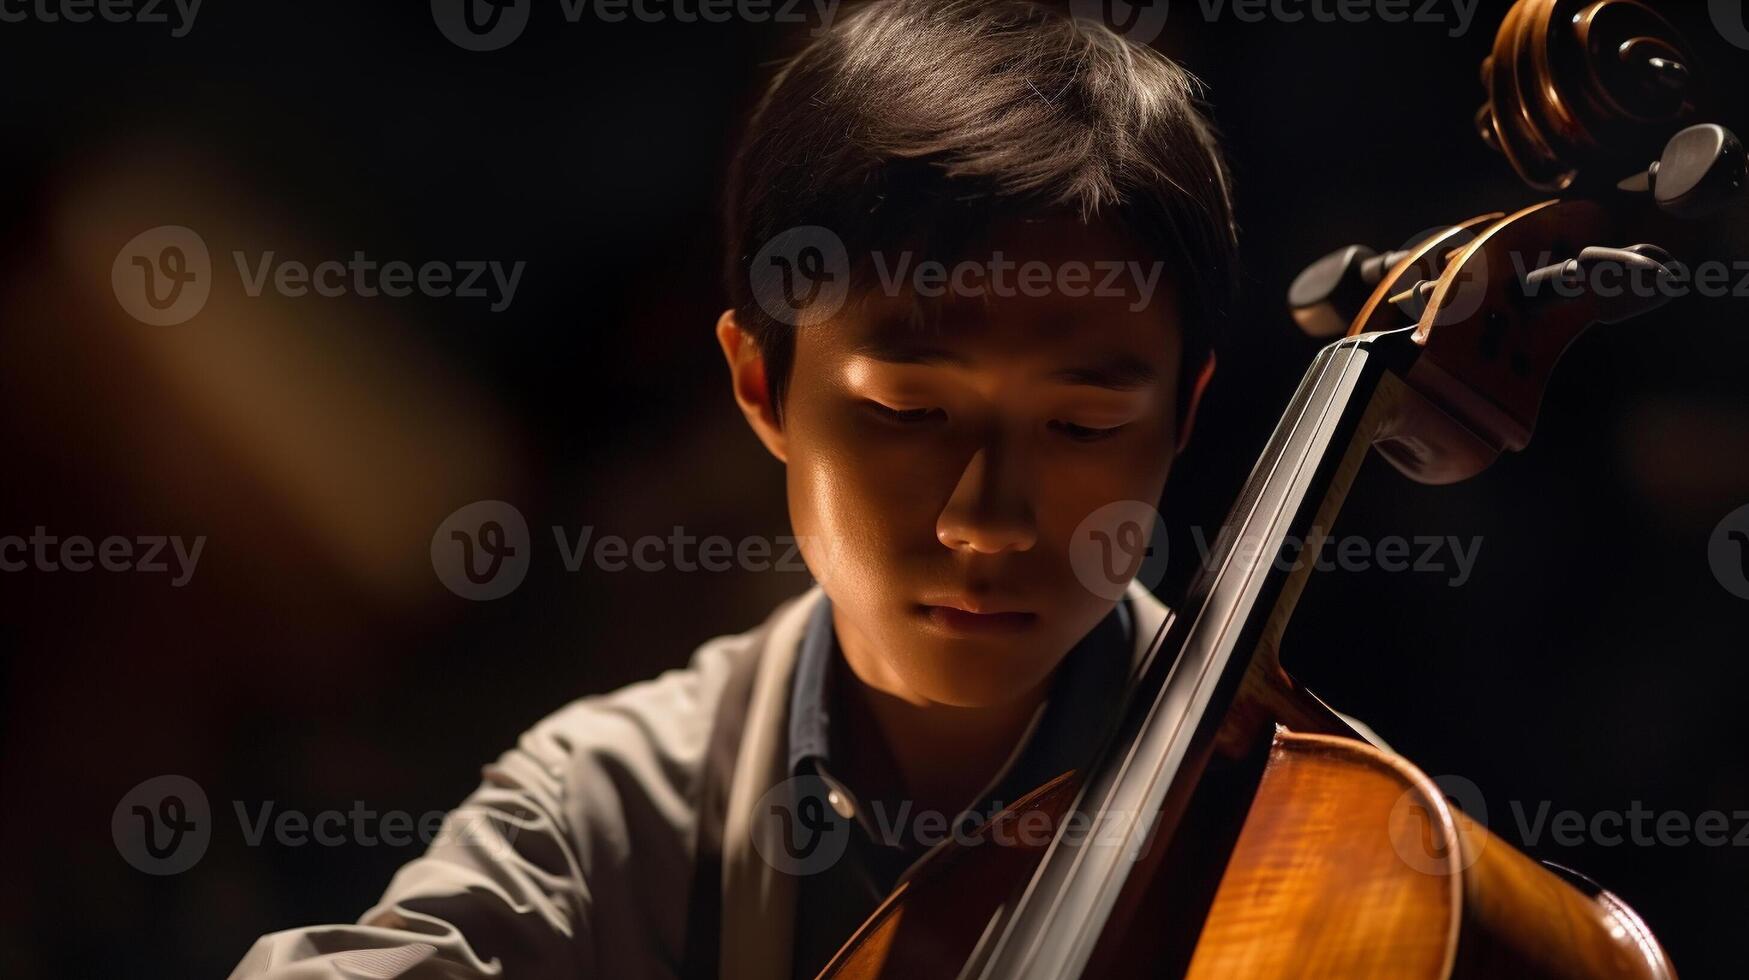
962,615
979,604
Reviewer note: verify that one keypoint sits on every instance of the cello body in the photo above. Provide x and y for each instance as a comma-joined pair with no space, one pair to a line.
1351,864
1348,863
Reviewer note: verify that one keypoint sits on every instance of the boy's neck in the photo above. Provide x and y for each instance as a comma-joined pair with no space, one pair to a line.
900,747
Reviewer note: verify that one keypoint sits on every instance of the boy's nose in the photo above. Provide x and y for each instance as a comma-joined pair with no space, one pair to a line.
988,512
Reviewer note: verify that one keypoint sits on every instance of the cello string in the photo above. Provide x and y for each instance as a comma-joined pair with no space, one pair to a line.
1285,432
1226,626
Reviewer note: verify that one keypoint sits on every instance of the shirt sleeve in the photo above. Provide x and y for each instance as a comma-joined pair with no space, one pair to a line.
531,876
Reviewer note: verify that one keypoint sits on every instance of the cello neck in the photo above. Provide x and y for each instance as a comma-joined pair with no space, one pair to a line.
1229,624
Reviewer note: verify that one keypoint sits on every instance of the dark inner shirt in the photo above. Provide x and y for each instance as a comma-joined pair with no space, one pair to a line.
863,852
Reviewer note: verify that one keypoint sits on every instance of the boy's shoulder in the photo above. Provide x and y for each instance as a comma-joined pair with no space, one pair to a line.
572,850
658,728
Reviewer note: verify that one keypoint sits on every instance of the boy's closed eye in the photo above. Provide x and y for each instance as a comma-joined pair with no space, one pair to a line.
928,416
937,391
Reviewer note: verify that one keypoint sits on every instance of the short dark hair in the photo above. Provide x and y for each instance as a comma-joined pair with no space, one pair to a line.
930,119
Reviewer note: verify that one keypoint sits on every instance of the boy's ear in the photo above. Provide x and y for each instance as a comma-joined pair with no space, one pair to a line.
747,377
1203,378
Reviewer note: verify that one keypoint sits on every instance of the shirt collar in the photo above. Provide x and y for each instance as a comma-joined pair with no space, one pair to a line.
1087,685
809,703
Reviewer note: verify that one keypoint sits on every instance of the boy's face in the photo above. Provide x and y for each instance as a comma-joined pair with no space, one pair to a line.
937,475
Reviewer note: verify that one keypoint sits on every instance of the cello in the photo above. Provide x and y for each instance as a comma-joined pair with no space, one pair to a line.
1235,826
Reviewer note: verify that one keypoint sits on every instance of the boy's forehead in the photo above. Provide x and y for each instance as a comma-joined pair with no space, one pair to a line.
1054,235
1077,343
1014,302
891,326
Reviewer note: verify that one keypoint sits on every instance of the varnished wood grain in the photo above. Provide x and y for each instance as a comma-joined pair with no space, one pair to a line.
1352,865
1315,887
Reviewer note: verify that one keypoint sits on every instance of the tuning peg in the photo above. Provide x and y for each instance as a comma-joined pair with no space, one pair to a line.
1413,301
1646,264
1327,296
1702,168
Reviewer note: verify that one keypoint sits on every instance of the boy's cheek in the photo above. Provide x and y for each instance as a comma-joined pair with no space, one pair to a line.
846,531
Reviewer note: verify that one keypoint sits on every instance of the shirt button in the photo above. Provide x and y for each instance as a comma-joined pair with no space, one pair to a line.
841,804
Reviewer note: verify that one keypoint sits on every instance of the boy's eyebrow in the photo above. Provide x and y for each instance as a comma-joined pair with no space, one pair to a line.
895,351
1118,372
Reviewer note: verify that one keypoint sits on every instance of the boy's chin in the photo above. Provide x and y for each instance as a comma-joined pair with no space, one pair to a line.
968,675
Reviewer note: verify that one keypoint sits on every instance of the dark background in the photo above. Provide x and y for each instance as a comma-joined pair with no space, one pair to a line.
315,659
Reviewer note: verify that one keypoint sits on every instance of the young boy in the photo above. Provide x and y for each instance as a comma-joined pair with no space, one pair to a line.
978,253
